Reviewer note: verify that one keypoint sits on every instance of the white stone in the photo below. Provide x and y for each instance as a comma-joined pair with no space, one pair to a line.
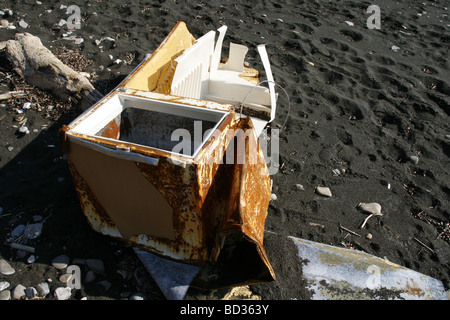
374,208
5,268
23,24
137,296
351,24
26,105
299,187
414,159
24,130
324,191
395,48
18,292
63,293
4,23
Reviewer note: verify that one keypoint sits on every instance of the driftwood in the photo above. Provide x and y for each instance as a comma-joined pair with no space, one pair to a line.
40,68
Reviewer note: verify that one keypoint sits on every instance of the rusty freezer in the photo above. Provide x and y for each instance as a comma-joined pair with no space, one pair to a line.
186,206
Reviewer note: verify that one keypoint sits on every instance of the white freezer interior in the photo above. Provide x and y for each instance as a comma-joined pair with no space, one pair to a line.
151,123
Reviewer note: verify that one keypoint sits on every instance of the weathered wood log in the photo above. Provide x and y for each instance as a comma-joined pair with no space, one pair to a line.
40,68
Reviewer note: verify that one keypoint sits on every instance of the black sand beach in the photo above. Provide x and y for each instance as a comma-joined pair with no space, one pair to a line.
363,101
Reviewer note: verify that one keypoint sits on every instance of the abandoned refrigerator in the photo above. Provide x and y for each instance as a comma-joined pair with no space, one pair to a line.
159,161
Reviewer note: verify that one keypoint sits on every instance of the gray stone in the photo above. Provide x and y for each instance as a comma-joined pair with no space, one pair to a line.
17,232
32,231
60,262
63,293
5,268
18,292
30,292
90,276
96,265
43,289
5,295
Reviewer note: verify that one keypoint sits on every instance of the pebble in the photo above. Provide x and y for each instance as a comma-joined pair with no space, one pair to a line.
31,259
324,191
273,197
5,295
30,292
4,285
395,48
24,130
18,292
369,236
62,293
351,24
5,268
18,231
32,231
90,276
43,289
65,277
96,265
137,296
373,207
299,187
37,218
23,24
61,262
4,23
414,159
